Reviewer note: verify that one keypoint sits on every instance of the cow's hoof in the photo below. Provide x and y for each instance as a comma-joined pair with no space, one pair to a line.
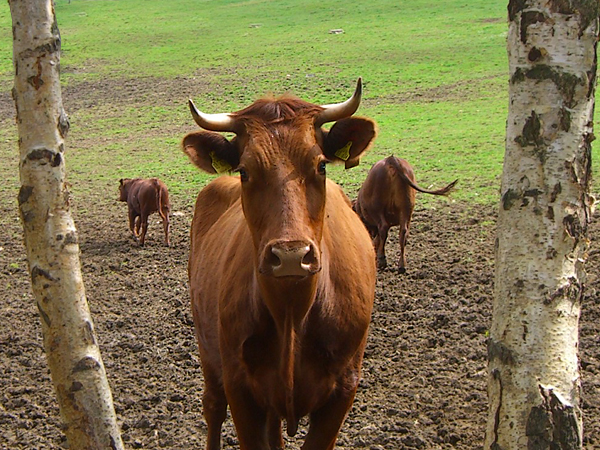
381,263
401,270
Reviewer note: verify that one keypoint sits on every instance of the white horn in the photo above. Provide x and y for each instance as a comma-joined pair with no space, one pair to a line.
212,122
339,111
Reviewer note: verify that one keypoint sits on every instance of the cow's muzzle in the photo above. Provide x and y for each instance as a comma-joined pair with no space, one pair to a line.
290,259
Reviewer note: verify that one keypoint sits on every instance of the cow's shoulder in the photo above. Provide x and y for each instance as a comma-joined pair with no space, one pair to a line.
212,202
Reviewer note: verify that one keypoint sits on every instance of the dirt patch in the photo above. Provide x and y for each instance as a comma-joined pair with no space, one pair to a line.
424,373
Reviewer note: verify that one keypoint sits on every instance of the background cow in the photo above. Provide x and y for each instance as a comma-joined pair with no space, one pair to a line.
143,197
281,271
387,199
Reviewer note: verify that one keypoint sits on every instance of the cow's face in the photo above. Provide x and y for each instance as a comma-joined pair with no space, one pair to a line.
281,162
282,170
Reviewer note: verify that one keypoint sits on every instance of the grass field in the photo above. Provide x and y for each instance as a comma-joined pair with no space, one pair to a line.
435,76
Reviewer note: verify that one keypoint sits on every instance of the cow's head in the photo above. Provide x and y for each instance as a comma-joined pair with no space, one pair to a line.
280,151
124,189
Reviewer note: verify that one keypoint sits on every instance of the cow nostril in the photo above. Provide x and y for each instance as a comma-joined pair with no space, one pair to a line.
286,259
272,258
310,258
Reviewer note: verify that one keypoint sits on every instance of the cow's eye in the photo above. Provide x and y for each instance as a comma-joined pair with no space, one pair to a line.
243,174
322,166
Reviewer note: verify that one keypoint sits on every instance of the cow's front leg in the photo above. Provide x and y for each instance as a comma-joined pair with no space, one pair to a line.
326,422
274,431
249,418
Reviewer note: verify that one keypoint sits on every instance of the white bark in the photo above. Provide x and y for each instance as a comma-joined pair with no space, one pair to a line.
76,366
534,385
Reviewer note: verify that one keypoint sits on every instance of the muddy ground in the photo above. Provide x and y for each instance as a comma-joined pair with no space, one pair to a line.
424,373
424,376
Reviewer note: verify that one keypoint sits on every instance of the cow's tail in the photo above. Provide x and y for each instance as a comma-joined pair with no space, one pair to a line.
287,371
402,174
159,198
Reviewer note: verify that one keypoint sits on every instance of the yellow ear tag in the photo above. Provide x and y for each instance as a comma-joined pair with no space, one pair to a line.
344,152
219,164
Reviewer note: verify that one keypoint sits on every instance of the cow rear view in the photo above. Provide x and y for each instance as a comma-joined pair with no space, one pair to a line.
144,197
386,199
281,270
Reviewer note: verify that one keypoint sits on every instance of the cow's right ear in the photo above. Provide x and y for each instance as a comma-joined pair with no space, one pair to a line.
211,152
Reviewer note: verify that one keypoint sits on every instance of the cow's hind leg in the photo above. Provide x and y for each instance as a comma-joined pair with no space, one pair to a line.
132,223
144,224
403,238
214,409
380,239
166,225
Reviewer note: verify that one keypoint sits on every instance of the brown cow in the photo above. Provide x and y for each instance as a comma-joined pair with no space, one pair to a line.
387,199
281,271
143,197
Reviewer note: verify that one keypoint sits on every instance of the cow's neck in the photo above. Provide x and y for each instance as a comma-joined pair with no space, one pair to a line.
289,303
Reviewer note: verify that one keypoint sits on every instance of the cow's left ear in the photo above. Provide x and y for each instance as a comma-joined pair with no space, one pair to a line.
348,139
211,151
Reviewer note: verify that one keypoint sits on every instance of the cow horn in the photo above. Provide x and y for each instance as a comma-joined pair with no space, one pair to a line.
212,122
337,111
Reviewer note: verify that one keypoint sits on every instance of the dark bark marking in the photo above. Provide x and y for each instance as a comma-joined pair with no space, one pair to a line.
515,7
534,54
529,18
71,238
38,272
565,82
36,80
531,132
497,350
508,199
572,291
573,226
496,376
24,193
43,153
585,11
564,116
552,425
535,192
551,253
76,386
88,333
555,192
43,315
87,363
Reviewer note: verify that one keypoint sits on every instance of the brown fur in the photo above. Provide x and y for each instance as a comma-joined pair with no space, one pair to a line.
387,199
279,347
143,197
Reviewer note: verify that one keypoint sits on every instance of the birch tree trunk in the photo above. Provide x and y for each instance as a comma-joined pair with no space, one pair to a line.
533,384
73,355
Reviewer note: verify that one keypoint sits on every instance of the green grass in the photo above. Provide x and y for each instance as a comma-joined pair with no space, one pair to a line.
435,76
